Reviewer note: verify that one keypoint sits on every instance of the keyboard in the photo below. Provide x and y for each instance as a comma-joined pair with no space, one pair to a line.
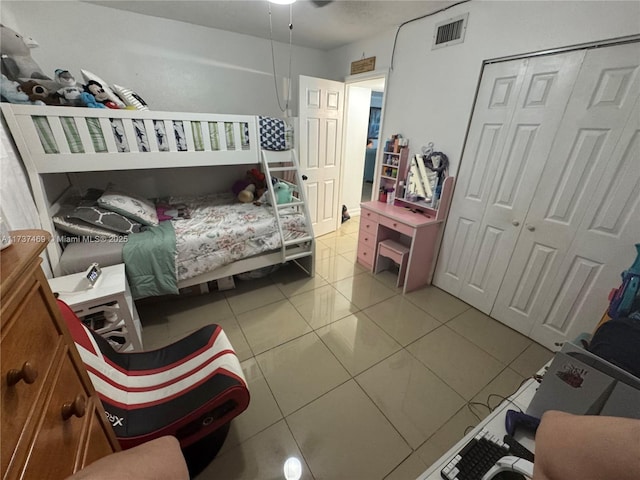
480,454
476,458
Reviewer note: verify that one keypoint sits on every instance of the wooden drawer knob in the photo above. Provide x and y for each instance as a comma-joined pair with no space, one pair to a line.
28,373
78,407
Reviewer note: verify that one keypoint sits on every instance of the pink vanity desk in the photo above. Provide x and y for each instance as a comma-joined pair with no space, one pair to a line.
420,231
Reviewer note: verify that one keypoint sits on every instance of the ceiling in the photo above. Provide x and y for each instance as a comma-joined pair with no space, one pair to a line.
335,24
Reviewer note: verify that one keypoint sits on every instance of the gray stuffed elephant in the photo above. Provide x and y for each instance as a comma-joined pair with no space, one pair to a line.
17,63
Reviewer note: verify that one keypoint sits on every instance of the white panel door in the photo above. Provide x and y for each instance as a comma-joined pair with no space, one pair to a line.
321,111
589,143
602,248
539,108
493,111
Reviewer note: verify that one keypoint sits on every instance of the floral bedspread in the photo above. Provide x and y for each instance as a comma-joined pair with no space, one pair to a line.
220,232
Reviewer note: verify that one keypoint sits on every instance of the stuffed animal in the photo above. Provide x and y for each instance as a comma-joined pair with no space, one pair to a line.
70,92
247,194
257,178
282,192
17,63
12,92
251,187
95,88
38,92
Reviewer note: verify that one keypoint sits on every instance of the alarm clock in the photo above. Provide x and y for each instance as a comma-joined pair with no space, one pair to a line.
93,274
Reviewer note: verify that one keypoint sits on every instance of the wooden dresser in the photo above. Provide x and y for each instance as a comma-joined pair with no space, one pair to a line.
53,423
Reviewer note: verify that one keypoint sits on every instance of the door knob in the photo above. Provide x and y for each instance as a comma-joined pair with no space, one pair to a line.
531,228
515,223
304,177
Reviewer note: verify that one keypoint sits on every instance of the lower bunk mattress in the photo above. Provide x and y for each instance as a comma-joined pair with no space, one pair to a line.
218,232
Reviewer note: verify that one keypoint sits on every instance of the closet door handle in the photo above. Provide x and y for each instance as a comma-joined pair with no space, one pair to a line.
531,228
515,223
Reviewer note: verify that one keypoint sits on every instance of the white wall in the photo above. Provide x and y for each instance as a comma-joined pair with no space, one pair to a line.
430,94
174,66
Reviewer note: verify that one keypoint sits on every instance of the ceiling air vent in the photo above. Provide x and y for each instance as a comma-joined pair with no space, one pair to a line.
450,31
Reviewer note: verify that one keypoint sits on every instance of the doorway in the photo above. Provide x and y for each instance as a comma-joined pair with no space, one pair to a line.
364,113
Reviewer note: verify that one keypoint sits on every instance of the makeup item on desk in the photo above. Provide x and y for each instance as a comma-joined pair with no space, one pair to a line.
390,196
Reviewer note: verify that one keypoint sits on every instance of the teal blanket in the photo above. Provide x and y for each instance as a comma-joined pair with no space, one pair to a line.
149,257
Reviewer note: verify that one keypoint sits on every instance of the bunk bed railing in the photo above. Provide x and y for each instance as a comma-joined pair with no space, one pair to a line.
67,139
71,139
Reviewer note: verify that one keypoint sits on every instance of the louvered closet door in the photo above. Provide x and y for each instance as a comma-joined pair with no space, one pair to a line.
568,255
481,244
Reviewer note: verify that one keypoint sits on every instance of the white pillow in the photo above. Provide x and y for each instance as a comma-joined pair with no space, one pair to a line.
130,98
112,96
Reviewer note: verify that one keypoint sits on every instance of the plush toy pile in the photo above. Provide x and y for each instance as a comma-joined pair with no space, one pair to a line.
251,188
24,82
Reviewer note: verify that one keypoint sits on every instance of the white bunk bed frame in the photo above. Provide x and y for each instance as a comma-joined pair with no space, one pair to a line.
20,119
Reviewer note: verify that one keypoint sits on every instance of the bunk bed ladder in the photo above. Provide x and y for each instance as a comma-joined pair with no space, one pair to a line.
283,164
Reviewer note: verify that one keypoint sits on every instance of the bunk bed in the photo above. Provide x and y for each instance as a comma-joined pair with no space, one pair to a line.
69,139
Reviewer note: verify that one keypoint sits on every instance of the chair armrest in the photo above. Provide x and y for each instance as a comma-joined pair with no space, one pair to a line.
154,460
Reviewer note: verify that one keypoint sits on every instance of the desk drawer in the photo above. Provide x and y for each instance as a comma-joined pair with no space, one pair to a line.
397,226
366,255
368,227
368,215
367,237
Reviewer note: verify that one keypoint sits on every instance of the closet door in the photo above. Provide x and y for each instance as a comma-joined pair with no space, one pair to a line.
602,248
494,108
539,108
549,276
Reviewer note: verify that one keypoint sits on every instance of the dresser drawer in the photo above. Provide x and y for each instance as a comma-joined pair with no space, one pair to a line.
368,215
98,445
57,443
397,226
29,337
366,255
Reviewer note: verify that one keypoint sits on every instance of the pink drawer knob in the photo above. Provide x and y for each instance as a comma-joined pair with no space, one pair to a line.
364,254
395,224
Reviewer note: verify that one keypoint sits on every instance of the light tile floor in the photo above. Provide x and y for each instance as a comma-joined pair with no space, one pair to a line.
346,373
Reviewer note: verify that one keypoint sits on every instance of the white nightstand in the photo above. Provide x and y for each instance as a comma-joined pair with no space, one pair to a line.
110,296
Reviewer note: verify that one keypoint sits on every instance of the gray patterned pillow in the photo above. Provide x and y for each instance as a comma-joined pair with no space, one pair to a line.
101,217
131,206
82,229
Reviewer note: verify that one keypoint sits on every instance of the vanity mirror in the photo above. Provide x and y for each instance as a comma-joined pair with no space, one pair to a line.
424,178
